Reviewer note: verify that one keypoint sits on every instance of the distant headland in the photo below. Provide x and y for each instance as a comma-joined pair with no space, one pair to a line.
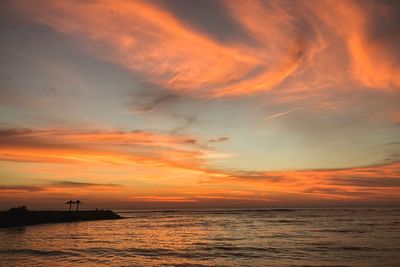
21,216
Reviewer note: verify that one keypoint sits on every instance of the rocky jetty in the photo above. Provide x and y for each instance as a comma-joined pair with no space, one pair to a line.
21,216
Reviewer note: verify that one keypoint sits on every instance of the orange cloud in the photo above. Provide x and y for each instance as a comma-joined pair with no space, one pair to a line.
373,56
287,43
156,167
360,184
106,147
379,184
99,137
146,39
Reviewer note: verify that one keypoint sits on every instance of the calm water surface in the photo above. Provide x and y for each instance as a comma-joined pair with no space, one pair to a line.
363,237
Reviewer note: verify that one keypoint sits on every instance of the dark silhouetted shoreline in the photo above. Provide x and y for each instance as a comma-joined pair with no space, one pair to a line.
24,217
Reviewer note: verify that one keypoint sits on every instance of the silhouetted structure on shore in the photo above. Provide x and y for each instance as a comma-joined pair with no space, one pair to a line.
70,204
77,204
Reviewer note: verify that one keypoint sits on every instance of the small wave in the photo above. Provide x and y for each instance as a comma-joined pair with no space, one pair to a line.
244,249
126,251
338,248
197,252
226,238
280,235
321,265
186,265
38,252
290,221
99,242
367,224
355,248
332,230
343,220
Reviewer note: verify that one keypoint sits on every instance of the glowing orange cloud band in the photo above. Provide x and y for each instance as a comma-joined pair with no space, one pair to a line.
132,155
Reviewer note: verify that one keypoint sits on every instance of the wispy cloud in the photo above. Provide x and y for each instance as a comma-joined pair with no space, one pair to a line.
102,147
359,185
279,114
368,33
19,188
56,186
156,100
287,43
219,139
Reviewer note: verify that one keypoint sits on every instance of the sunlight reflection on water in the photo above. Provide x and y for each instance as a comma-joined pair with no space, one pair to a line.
212,238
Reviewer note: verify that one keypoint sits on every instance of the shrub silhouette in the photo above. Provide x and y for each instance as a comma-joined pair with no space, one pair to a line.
20,210
17,213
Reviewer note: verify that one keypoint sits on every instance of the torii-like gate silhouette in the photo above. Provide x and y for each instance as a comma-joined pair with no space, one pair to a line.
70,204
77,204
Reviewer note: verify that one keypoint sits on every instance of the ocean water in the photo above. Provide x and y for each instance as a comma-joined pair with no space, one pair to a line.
300,237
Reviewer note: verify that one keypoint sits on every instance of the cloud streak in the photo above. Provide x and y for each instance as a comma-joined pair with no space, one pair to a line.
279,114
69,146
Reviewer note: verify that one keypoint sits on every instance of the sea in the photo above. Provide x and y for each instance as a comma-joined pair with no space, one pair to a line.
272,237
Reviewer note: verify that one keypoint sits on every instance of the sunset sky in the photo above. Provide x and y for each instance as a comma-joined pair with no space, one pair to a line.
170,103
